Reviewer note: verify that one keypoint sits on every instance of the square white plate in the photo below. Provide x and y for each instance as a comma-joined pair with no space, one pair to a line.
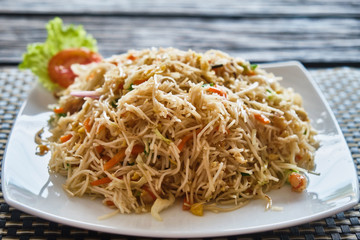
28,186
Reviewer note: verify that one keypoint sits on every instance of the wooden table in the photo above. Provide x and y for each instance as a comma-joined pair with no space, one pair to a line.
315,32
323,35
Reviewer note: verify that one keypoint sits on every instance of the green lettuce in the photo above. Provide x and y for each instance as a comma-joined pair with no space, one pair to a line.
59,37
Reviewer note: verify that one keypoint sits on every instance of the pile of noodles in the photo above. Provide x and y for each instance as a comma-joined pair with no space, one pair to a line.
207,128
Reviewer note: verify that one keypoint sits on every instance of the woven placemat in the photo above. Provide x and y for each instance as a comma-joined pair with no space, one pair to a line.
341,87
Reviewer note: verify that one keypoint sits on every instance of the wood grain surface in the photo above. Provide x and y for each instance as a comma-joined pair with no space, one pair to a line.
261,31
221,8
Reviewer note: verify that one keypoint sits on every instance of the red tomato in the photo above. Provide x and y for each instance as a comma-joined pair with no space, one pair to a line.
59,66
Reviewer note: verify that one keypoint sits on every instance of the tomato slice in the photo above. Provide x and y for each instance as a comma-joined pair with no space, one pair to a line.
59,66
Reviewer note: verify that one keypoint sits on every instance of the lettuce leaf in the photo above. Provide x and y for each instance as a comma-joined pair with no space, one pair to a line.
59,37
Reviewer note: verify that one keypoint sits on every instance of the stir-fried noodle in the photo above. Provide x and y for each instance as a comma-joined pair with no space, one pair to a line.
144,128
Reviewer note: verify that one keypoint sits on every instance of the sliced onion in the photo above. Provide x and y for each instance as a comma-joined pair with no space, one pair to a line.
90,94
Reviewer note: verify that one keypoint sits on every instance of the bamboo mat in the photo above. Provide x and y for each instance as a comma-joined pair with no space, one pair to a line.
341,87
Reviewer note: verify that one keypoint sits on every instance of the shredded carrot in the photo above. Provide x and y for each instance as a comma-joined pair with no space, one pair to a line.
148,190
101,181
120,156
137,149
186,205
59,110
184,140
181,145
102,127
43,149
110,203
137,82
249,72
131,57
115,159
217,91
87,124
261,118
99,149
65,138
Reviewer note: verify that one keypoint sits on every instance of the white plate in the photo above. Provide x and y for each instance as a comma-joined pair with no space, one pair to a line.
28,186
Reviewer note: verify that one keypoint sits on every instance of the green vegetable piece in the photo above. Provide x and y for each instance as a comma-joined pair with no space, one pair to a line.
68,166
253,66
208,84
61,114
137,193
114,103
146,153
157,132
59,37
245,174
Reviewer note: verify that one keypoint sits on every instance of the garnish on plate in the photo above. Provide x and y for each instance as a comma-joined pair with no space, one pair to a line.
65,45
